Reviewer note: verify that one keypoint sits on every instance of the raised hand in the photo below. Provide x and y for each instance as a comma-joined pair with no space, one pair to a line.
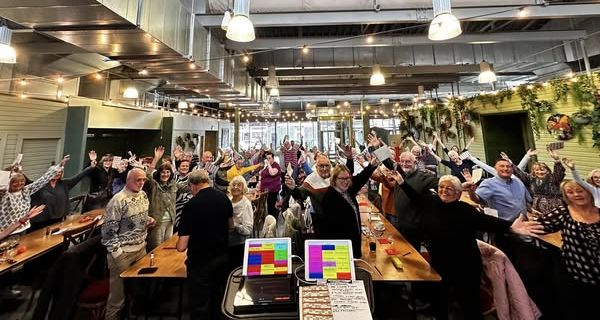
374,161
531,152
158,152
92,155
347,151
373,141
553,154
178,152
569,163
132,157
504,156
289,182
34,211
467,175
64,160
527,228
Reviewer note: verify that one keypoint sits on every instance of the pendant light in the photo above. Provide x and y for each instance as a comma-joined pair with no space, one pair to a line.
272,81
274,92
7,53
377,77
240,28
182,104
487,74
444,25
226,20
131,92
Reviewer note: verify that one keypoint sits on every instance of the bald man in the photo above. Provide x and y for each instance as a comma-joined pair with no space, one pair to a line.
124,234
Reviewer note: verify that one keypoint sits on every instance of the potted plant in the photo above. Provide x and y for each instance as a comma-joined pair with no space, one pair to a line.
583,116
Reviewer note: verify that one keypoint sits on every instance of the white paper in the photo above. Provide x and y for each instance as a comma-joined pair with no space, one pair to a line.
289,170
491,212
116,161
383,153
18,159
465,155
4,179
349,300
476,175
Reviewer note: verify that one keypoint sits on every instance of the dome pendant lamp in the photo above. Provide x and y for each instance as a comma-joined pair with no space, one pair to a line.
377,78
487,74
240,28
444,25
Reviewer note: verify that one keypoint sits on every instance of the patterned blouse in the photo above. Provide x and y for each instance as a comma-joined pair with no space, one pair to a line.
546,191
581,244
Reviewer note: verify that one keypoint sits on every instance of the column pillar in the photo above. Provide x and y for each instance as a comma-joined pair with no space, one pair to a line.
236,129
364,113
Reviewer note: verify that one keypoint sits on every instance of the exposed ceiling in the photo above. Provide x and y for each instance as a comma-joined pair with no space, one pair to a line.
524,40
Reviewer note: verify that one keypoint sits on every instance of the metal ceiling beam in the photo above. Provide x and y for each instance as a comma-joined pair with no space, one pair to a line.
553,11
388,41
365,82
353,90
408,70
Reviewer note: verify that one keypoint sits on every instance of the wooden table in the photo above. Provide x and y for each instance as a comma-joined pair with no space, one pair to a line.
416,268
554,238
37,243
169,261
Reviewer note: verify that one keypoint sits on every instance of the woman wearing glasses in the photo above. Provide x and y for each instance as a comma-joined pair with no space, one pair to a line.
450,227
341,217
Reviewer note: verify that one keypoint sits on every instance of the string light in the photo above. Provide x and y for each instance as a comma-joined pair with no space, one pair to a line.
369,39
23,82
523,12
192,65
305,49
60,79
143,72
98,76
246,58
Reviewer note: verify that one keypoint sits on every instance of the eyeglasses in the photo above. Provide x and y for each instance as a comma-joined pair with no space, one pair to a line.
344,178
324,166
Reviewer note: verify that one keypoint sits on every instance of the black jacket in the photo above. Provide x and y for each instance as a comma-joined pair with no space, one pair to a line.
56,199
340,221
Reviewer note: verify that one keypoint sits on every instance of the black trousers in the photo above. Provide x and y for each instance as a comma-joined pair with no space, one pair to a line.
465,287
271,202
206,283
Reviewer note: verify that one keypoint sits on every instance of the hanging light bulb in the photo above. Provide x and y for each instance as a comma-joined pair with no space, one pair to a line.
377,77
486,74
240,28
246,58
444,25
182,104
274,92
272,81
226,20
7,53
131,92
305,49
143,72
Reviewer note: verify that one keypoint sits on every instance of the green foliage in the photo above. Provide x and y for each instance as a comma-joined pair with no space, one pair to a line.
582,91
536,109
560,89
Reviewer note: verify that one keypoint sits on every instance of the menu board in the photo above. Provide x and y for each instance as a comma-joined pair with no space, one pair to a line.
329,260
270,256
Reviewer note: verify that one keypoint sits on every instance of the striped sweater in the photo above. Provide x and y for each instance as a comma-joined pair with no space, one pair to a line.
125,218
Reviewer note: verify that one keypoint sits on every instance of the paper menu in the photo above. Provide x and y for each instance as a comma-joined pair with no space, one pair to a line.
382,153
116,161
315,303
4,179
338,300
476,175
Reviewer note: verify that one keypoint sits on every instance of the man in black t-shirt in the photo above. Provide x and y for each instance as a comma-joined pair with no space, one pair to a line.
204,229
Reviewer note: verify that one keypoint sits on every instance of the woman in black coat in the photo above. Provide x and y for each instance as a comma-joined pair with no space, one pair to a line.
450,227
341,216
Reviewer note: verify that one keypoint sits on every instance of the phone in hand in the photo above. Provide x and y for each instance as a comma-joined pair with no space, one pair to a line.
556,145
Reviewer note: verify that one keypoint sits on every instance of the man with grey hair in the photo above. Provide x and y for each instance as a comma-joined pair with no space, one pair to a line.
204,232
407,212
124,234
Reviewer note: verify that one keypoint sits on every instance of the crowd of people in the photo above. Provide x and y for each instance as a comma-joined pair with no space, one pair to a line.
293,191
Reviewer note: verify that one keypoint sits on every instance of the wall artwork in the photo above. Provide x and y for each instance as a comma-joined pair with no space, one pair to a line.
559,125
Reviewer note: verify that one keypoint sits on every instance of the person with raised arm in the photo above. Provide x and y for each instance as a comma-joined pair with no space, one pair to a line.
456,164
543,183
16,201
591,184
450,229
579,224
34,211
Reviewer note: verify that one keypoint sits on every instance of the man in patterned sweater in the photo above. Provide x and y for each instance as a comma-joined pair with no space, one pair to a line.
124,233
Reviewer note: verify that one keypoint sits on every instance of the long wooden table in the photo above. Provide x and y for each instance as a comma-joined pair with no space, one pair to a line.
169,261
37,243
554,238
415,267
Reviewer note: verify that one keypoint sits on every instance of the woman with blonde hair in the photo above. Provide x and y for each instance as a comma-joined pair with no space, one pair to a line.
579,224
243,220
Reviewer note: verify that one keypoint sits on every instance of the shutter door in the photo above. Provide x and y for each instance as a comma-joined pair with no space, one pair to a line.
38,155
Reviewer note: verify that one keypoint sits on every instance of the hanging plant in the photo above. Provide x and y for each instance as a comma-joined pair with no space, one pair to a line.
582,117
582,91
560,89
536,110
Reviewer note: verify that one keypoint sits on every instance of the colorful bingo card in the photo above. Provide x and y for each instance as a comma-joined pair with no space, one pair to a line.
329,259
266,257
